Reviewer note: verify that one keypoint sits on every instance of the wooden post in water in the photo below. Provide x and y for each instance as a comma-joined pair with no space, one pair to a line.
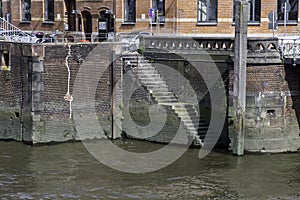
113,93
240,62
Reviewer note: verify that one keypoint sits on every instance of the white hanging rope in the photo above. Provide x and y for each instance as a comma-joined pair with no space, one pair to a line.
69,97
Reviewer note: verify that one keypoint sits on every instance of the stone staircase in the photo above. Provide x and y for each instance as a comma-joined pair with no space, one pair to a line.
148,76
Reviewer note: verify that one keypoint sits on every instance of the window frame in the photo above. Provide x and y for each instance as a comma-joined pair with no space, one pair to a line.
207,20
127,9
162,13
292,21
252,12
23,11
48,10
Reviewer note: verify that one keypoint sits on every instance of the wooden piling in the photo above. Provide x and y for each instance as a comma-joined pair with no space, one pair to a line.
240,62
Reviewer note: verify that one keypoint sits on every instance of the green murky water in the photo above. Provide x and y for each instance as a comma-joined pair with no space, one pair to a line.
68,171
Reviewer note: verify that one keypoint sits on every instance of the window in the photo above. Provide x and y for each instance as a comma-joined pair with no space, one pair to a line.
1,15
207,10
292,15
254,11
49,10
129,11
26,10
159,11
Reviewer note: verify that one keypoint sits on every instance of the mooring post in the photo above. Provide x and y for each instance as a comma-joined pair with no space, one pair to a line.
113,93
240,62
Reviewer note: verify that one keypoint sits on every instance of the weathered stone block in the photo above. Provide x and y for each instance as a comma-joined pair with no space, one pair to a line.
38,66
252,133
271,133
251,145
250,102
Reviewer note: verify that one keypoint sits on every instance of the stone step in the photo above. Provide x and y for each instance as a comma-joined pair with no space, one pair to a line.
192,131
131,59
190,112
145,72
166,101
203,123
188,125
145,68
202,128
165,97
185,113
188,121
155,89
149,76
163,94
203,133
184,105
154,82
194,119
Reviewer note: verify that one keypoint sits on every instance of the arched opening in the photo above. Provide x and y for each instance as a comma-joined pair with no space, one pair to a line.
105,24
70,7
86,26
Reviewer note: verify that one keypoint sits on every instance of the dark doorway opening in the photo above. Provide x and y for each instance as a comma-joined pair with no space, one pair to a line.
105,25
70,25
87,25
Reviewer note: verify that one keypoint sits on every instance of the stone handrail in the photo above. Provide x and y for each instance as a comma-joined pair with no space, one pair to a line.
148,43
259,50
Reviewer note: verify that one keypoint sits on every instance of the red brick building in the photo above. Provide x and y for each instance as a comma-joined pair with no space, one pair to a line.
60,15
196,17
202,17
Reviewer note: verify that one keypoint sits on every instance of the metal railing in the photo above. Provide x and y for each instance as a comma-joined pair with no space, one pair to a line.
290,47
11,33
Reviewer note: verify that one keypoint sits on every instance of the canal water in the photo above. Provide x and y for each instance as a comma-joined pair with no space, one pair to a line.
68,171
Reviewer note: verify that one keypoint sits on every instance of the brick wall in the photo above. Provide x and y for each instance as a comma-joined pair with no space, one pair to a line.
272,118
53,122
33,106
14,96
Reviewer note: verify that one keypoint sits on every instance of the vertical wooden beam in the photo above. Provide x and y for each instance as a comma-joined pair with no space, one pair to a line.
113,93
240,62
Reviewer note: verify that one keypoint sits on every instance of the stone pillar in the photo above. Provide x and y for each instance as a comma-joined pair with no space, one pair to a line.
240,62
37,87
